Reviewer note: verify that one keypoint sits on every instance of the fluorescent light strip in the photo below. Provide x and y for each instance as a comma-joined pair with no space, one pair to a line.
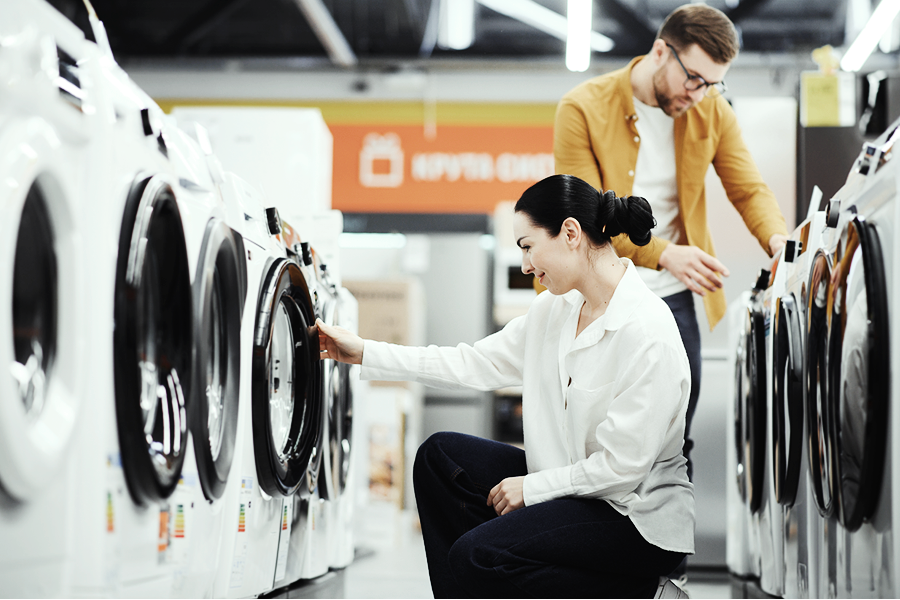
548,21
864,44
578,38
457,24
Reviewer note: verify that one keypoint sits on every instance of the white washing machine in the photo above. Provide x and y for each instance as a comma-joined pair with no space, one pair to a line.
848,381
141,347
341,542
746,426
790,471
859,385
770,515
278,426
219,278
46,115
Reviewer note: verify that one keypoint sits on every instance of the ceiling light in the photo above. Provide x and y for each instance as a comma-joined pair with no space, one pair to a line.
864,44
548,21
456,29
578,35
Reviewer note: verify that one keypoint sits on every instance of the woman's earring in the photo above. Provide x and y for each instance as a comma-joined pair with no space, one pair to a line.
604,229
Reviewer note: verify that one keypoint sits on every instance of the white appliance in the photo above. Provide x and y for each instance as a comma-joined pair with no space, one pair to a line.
279,419
216,252
46,115
770,517
746,424
141,315
858,388
790,469
286,153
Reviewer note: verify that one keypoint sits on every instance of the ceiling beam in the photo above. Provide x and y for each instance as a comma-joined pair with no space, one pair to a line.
327,31
744,9
197,26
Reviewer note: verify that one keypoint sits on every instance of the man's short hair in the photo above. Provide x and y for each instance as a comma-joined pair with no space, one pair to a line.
705,26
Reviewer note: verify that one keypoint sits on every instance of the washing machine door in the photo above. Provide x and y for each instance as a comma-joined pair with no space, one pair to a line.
859,370
286,397
787,395
339,410
220,288
152,341
344,423
43,295
819,414
750,407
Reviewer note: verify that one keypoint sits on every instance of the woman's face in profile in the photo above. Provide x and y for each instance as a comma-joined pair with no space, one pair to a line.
547,258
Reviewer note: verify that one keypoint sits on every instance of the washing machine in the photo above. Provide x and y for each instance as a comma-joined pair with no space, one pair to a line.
746,431
790,472
219,286
141,350
770,515
849,383
312,528
46,118
859,386
279,423
346,380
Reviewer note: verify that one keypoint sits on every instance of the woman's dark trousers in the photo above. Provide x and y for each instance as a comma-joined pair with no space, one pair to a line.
564,548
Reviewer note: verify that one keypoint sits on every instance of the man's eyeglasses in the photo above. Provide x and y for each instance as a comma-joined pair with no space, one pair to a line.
695,82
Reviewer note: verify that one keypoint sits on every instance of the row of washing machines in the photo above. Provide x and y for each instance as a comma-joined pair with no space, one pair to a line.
167,428
814,447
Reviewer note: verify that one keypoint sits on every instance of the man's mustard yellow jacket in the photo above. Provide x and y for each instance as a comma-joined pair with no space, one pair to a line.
595,138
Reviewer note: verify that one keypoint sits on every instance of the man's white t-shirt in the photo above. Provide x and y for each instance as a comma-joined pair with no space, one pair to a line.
655,179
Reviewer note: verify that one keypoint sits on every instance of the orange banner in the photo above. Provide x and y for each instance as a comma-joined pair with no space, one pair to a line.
463,169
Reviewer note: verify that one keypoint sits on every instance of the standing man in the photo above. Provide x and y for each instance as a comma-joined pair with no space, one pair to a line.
652,129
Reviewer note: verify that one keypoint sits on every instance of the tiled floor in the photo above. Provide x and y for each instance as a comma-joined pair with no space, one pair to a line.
396,568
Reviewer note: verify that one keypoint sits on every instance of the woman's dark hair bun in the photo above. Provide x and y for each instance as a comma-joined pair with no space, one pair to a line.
630,215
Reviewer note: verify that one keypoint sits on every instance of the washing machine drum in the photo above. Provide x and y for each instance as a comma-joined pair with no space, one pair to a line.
152,341
859,371
220,288
819,413
787,399
286,398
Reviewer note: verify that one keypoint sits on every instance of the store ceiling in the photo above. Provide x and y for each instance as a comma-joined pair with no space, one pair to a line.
396,30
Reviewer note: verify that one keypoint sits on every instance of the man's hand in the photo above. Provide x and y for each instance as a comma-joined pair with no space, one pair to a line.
507,495
776,243
699,271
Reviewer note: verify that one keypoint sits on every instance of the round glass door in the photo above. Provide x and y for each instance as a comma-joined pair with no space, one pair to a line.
281,382
787,395
287,399
859,371
219,291
819,419
35,296
152,341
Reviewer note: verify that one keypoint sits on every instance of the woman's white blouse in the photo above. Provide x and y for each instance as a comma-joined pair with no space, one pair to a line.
603,412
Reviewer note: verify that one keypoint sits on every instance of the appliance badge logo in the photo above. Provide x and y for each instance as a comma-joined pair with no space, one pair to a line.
381,161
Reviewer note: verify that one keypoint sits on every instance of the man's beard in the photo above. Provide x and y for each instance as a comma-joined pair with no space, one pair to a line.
666,102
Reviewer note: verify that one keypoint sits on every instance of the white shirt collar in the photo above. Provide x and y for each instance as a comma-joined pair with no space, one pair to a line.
624,300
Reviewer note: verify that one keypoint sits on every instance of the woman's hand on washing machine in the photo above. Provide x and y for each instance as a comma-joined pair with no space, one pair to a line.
508,495
339,344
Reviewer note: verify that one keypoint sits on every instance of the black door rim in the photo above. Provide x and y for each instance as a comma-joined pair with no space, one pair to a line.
152,341
219,294
283,473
